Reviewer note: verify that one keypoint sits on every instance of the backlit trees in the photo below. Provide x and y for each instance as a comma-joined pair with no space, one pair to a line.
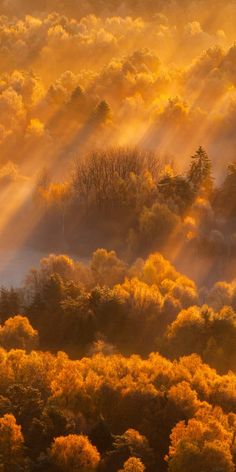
107,268
133,465
202,444
18,333
203,331
11,445
74,454
200,172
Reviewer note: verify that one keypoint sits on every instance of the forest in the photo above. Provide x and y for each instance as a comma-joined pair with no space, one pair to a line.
124,364
117,236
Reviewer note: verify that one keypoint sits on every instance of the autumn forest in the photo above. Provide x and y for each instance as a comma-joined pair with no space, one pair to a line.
117,236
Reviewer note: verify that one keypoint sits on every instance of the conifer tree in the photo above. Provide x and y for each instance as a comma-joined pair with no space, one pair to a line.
200,172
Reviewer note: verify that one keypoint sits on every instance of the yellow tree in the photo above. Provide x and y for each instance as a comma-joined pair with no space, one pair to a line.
74,453
11,445
202,444
107,268
17,333
133,465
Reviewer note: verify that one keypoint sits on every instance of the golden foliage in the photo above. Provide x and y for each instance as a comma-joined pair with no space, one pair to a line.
74,453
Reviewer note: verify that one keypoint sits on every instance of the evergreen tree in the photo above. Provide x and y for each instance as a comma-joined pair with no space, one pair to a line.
200,172
102,112
225,200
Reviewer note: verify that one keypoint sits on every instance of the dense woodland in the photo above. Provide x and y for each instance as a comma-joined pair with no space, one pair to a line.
135,203
117,166
123,363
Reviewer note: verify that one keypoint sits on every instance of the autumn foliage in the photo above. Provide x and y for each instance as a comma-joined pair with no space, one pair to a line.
117,236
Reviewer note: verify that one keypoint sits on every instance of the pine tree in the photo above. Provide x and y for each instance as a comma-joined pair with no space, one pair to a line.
102,111
200,172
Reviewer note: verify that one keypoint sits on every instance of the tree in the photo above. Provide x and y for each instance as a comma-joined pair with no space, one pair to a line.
58,194
131,449
44,429
100,436
187,332
17,333
102,112
156,225
11,445
137,444
109,312
225,199
78,105
210,334
60,264
202,444
115,179
74,453
9,303
133,465
107,268
46,310
200,172
26,404
177,191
